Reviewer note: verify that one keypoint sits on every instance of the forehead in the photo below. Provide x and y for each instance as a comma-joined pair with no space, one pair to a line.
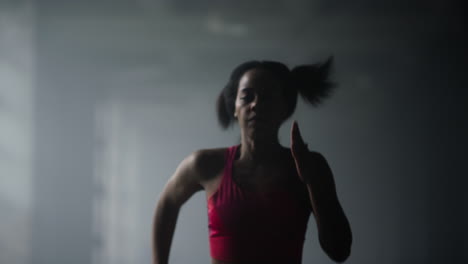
258,79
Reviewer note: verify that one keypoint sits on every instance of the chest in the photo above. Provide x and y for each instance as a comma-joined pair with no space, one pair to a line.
271,180
267,213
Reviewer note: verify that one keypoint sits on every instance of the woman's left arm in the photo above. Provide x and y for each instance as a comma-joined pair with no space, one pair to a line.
333,227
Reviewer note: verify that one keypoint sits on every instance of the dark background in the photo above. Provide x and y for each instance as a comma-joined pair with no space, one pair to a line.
100,101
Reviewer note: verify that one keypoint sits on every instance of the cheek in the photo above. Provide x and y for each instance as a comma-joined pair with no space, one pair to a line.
238,108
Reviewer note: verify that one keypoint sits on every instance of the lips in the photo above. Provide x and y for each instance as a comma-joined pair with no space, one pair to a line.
257,119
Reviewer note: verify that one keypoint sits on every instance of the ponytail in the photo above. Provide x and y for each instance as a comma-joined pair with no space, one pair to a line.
312,81
224,117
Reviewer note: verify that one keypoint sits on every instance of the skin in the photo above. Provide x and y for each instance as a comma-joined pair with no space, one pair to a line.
262,164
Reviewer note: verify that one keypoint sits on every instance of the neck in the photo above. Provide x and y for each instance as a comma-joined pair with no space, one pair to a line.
259,151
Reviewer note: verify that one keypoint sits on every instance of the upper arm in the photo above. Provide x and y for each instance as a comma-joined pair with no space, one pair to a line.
323,163
320,163
184,182
320,173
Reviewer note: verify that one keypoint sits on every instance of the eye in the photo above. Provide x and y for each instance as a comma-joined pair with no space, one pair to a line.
247,97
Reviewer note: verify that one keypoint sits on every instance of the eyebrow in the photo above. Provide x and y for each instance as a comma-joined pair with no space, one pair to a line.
246,89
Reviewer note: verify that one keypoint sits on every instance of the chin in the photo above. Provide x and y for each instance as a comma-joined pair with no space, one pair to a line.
260,133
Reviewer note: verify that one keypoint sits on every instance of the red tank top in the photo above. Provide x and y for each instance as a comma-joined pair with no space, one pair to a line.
251,227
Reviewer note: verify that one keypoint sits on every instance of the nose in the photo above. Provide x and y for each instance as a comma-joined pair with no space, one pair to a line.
255,103
259,102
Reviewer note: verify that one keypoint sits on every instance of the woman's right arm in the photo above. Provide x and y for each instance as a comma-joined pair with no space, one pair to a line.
180,187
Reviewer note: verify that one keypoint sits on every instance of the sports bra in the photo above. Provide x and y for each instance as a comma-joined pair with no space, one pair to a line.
252,227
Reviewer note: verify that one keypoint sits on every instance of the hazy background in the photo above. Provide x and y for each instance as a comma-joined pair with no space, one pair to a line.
100,101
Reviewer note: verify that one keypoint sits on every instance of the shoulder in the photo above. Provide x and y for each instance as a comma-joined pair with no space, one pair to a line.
319,163
207,163
311,159
192,174
310,156
317,156
317,159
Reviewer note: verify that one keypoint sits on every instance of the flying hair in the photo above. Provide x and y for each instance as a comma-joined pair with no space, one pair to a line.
311,81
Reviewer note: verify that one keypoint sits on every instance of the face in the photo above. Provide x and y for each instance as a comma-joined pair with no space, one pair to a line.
260,106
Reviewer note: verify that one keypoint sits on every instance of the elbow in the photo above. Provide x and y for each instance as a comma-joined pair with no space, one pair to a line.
340,256
338,250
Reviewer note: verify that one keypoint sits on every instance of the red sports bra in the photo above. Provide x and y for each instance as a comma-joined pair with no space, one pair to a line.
250,228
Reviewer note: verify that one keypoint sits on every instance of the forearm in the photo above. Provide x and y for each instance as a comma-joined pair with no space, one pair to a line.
163,230
313,170
333,227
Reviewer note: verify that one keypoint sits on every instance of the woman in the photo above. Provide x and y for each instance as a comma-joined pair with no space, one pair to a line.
259,193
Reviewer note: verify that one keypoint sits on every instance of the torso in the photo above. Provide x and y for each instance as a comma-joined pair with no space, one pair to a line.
279,175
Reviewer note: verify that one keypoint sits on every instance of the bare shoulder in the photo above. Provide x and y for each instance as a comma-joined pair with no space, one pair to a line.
193,174
208,163
311,156
318,158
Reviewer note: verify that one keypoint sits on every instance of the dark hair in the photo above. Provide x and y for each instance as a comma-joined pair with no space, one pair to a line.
311,81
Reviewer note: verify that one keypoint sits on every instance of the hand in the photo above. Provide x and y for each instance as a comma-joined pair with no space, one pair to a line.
300,153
